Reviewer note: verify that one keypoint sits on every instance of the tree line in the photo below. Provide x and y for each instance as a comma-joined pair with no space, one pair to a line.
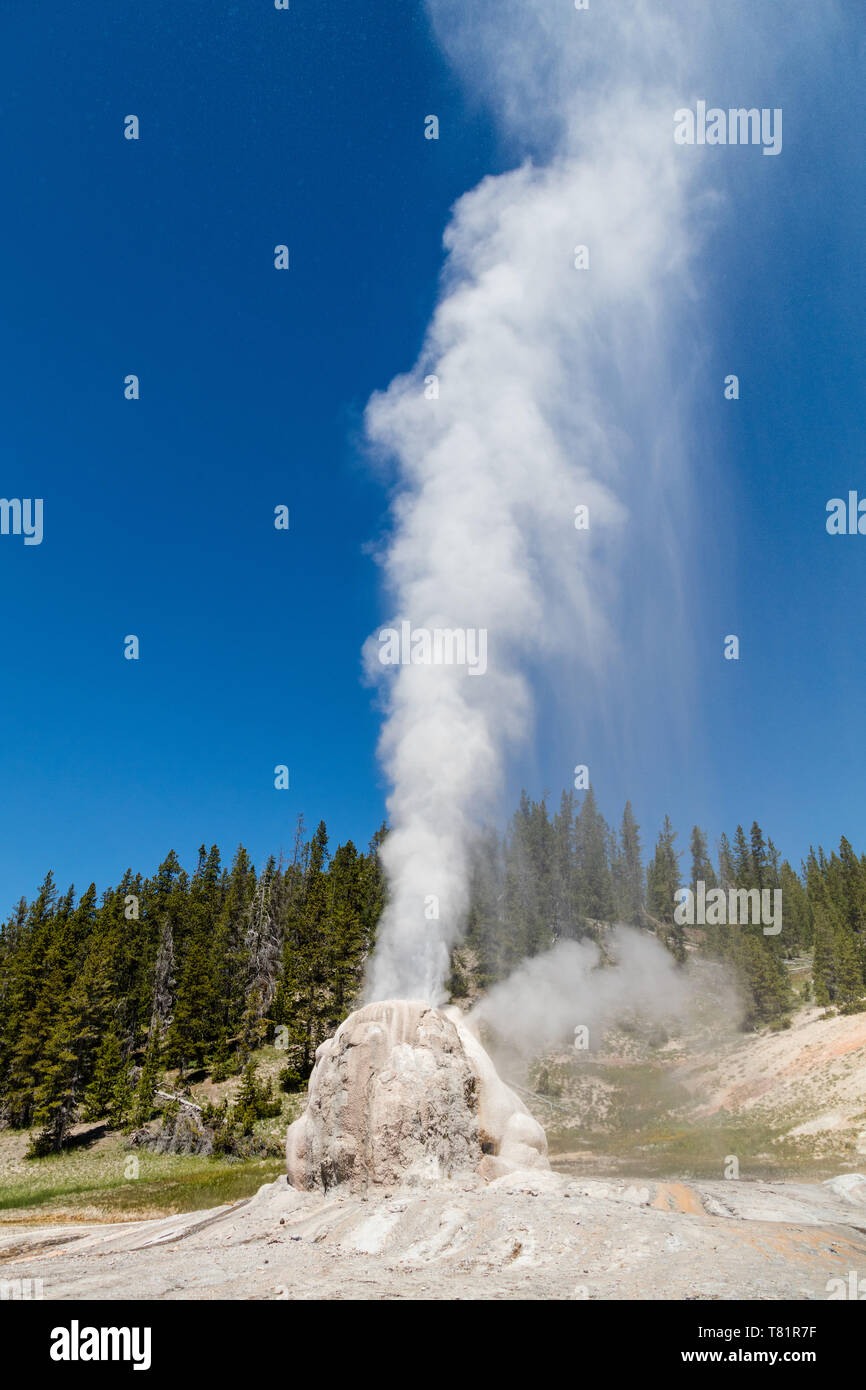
194,972
569,873
99,996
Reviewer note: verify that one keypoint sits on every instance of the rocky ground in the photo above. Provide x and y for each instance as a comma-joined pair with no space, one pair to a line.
811,1076
788,1103
534,1235
637,1207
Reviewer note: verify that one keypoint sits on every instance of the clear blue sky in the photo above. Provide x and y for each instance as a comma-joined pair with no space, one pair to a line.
156,258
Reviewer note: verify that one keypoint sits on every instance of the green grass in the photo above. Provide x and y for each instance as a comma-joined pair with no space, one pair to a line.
89,1180
90,1184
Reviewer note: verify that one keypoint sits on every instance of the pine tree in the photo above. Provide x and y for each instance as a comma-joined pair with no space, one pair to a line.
764,980
101,1095
192,1024
26,1006
796,915
229,967
122,1098
824,975
253,1101
759,864
629,873
742,859
853,883
57,1087
485,925
663,882
594,879
824,958
300,1002
148,1082
254,1029
727,869
702,868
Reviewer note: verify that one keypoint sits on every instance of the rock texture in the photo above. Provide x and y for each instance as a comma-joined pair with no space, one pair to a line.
511,1138
535,1235
404,1093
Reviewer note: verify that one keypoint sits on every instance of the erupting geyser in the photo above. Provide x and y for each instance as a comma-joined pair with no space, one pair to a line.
404,1092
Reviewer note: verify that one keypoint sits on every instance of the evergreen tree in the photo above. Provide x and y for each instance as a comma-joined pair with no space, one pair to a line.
629,874
144,1102
104,1090
253,1101
796,915
485,930
702,868
594,879
727,870
742,859
760,871
663,882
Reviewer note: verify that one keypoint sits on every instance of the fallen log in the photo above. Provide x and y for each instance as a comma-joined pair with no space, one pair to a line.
166,1095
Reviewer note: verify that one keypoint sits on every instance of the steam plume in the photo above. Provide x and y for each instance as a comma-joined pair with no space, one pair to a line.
541,1003
555,390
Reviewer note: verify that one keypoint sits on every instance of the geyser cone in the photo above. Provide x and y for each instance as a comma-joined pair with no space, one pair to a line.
404,1092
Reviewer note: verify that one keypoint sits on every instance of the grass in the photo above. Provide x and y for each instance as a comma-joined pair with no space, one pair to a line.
95,1183
92,1179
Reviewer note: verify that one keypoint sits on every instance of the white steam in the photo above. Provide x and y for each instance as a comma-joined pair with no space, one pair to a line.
542,1003
558,387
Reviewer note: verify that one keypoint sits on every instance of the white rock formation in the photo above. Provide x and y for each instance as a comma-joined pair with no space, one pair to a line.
511,1138
406,1093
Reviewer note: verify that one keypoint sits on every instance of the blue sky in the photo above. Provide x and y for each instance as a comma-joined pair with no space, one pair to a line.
156,257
